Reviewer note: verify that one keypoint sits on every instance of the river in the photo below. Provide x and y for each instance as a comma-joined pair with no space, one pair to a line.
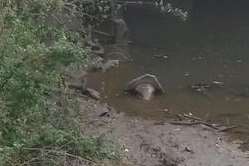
209,47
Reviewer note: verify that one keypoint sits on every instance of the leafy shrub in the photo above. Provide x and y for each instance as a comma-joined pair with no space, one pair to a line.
34,128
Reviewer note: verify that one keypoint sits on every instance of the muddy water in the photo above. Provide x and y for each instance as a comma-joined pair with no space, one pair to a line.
208,47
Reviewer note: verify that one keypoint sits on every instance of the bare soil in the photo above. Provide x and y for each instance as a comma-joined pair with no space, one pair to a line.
147,143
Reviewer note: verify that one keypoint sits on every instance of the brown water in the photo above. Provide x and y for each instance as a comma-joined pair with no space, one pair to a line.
208,47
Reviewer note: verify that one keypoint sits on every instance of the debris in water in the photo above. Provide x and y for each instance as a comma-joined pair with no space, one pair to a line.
166,110
239,61
186,74
219,83
201,87
164,56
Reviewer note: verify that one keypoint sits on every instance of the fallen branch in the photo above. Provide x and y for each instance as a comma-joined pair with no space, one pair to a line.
191,117
184,123
227,128
194,123
103,33
62,153
198,121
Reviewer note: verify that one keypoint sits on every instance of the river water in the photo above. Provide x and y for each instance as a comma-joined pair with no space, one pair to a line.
210,46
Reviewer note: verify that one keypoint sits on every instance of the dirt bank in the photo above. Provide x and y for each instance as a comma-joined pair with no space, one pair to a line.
147,143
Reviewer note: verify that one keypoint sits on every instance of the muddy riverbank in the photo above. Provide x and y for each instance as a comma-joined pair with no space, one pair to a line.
147,143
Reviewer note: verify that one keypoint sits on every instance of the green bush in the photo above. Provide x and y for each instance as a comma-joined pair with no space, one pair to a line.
34,128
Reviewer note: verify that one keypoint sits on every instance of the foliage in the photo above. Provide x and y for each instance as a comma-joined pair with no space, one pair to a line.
93,11
38,121
166,6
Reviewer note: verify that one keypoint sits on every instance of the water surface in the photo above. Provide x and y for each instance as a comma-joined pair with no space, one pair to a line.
210,46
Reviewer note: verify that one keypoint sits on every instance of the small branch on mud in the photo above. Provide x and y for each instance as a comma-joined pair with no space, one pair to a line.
184,123
102,33
227,128
198,121
191,117
194,123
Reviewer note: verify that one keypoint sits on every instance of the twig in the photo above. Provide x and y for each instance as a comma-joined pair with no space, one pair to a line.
61,153
197,120
184,123
103,33
227,128
194,123
209,125
191,117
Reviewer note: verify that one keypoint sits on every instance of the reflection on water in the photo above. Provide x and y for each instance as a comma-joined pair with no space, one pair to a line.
209,47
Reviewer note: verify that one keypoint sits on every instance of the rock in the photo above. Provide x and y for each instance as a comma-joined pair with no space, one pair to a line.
86,91
110,64
92,93
96,63
97,48
145,86
77,81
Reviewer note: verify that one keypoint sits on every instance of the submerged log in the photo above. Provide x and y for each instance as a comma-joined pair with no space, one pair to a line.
146,86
